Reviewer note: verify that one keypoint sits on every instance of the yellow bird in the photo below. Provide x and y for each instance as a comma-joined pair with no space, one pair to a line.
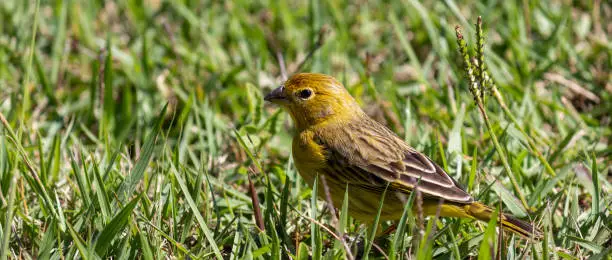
335,138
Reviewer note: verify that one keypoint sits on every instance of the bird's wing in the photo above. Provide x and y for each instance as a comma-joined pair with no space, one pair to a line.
370,156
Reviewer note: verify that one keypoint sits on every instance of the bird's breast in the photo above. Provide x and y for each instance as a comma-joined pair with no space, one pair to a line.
308,155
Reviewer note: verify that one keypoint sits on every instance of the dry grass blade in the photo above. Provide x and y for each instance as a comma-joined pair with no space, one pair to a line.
318,44
256,208
573,86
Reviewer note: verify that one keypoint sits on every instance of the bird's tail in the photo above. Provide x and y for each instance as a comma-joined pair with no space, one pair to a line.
482,212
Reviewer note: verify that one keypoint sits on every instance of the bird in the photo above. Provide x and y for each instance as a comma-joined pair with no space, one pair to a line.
336,139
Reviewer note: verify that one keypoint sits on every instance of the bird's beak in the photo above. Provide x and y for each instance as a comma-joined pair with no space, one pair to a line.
277,95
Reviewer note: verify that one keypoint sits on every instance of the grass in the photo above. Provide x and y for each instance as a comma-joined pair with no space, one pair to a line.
130,128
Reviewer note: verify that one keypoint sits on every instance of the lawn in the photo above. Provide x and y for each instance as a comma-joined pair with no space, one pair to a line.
137,129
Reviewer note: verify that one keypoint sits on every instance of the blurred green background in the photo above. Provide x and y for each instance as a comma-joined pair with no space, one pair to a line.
93,166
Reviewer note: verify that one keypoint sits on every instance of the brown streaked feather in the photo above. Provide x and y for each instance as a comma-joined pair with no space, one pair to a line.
368,155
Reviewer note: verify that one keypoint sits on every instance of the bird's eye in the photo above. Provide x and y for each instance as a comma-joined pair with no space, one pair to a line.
305,93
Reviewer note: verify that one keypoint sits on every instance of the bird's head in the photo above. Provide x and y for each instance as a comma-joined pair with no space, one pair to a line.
312,98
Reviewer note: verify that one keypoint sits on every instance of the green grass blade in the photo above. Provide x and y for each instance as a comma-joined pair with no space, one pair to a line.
108,105
115,227
513,204
596,187
473,170
487,246
129,184
315,233
147,253
80,244
7,232
207,233
343,220
398,241
101,193
374,227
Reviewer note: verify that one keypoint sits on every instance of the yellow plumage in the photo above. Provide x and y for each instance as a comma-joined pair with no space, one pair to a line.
337,139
